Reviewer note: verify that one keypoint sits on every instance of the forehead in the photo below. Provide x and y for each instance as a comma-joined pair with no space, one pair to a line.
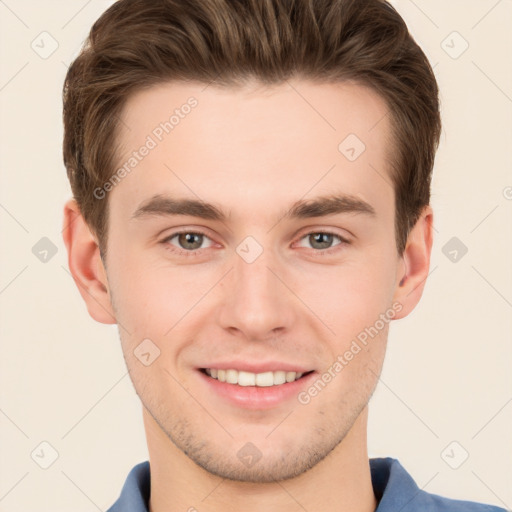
262,111
247,144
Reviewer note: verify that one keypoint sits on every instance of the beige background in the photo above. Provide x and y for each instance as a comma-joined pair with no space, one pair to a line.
447,376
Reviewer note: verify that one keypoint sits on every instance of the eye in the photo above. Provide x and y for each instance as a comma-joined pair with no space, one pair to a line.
187,241
322,240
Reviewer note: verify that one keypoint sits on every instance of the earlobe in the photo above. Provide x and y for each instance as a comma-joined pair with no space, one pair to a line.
415,263
85,264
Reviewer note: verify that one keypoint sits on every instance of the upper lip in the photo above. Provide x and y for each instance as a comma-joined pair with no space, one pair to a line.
257,367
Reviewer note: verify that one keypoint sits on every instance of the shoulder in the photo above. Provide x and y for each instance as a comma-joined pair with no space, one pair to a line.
135,492
395,489
436,503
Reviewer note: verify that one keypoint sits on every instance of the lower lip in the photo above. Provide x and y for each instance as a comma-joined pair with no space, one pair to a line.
255,397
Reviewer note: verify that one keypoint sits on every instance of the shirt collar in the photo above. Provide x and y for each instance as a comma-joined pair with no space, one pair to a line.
393,487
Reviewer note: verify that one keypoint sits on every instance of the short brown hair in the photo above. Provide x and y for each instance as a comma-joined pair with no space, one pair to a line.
138,43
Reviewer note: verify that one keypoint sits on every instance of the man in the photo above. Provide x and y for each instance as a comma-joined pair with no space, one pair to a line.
251,188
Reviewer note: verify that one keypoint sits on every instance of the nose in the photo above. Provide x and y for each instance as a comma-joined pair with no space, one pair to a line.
256,302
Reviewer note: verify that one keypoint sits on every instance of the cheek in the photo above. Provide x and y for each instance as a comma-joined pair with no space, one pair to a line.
156,300
145,298
351,296
151,297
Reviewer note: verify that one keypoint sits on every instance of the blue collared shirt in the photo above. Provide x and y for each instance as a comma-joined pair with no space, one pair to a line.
393,487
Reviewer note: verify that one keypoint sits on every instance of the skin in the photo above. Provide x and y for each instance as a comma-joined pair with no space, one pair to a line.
253,152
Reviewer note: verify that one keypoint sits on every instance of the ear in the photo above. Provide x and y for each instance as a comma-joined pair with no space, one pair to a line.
85,264
414,263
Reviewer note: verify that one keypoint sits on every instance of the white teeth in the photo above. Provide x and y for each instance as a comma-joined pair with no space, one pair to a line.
246,379
280,377
265,379
242,378
231,376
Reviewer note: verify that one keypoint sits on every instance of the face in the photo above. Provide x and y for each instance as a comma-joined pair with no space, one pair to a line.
288,259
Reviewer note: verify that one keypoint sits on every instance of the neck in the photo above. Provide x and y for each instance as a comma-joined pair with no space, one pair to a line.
341,482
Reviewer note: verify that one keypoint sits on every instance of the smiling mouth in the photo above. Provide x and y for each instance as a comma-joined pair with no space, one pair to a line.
242,378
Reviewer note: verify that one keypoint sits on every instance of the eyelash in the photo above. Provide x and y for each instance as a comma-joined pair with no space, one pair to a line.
195,252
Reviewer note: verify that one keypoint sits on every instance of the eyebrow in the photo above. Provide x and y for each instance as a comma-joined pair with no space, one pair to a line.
160,205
